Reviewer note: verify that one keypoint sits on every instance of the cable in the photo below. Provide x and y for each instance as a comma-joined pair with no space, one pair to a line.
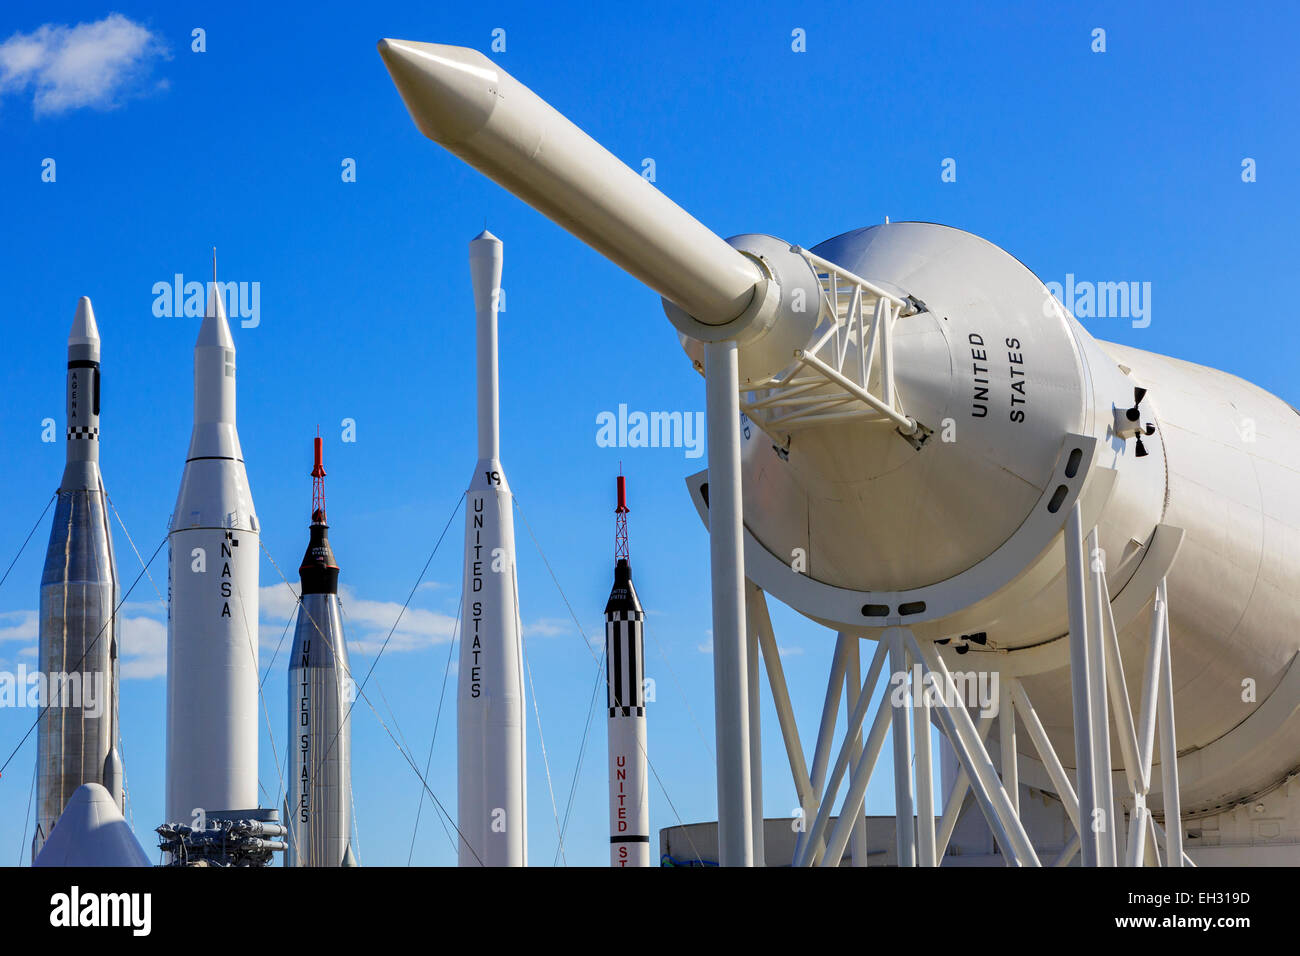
682,692
545,761
538,546
112,617
437,720
23,548
22,842
577,771
361,688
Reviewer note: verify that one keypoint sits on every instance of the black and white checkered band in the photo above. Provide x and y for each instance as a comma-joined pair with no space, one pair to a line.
627,711
87,432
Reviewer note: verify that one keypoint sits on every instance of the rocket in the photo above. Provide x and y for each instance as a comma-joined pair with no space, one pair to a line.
318,773
629,804
491,797
78,651
212,681
947,539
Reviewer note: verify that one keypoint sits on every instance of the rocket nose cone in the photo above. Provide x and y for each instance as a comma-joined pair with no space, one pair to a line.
486,246
450,91
84,330
215,330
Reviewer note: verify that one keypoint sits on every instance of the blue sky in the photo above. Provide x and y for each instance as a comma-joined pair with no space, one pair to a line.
1117,166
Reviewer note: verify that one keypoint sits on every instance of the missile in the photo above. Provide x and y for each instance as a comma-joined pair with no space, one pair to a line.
77,732
319,769
629,793
212,680
895,525
465,102
490,757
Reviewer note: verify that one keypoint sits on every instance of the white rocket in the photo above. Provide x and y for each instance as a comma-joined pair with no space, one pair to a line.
904,529
212,676
318,773
629,792
77,734
492,799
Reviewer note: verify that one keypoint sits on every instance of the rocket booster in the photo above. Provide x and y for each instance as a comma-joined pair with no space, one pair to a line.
491,794
213,562
466,103
78,652
629,803
319,768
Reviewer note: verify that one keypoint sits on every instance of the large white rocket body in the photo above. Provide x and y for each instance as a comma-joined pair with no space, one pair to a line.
212,677
78,652
983,348
491,763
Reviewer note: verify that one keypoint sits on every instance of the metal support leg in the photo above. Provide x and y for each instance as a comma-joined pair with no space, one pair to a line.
1169,748
957,796
1007,744
1046,753
1137,829
756,608
1080,686
811,847
852,807
1067,852
852,688
925,835
826,730
898,665
1004,822
727,563
1098,703
755,746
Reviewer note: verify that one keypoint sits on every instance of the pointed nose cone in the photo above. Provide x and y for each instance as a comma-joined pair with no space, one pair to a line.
450,91
215,331
486,253
84,330
91,832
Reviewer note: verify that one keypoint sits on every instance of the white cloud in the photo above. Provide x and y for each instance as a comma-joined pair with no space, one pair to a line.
366,623
789,651
143,647
18,626
276,604
142,631
96,64
547,627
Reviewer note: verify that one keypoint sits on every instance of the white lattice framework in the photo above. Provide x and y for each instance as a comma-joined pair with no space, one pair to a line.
847,373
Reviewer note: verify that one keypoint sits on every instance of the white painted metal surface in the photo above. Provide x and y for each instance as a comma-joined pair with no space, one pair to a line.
212,677
92,832
490,747
465,102
951,528
730,643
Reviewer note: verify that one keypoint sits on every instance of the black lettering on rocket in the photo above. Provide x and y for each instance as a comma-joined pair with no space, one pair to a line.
476,608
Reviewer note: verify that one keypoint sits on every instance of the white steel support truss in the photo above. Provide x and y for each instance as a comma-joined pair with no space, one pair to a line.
831,825
847,373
